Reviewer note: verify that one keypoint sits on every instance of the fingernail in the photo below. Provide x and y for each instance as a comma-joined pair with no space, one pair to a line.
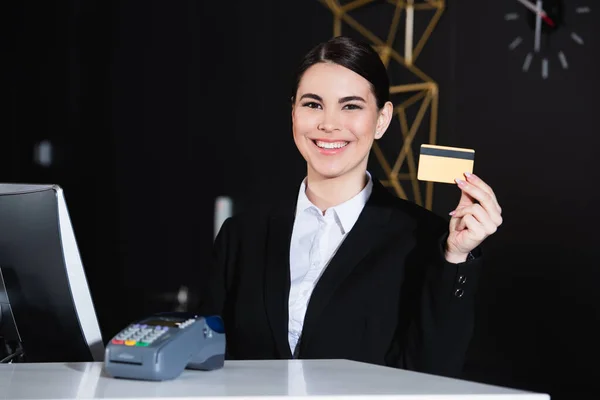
460,182
452,212
468,174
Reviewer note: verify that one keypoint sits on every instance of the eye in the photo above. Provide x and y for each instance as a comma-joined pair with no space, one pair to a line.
352,107
311,104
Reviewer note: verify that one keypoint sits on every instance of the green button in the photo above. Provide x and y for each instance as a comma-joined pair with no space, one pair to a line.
142,344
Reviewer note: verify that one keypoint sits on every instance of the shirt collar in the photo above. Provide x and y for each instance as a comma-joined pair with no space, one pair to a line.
347,212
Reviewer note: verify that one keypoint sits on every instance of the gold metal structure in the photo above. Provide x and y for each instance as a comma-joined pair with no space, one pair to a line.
424,91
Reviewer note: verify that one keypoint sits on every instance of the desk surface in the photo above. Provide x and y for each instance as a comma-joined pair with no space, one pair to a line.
279,379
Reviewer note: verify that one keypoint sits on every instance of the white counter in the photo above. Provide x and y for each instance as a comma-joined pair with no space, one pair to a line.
279,379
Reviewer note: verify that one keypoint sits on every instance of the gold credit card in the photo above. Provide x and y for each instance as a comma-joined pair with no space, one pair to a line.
444,164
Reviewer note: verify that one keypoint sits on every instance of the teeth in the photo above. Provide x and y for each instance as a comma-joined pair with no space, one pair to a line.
330,145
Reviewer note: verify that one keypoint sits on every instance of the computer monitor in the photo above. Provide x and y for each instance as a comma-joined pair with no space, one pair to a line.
46,306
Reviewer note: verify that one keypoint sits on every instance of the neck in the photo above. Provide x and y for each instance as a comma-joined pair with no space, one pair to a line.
326,192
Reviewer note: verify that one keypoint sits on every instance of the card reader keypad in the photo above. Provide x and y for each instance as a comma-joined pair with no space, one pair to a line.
143,335
140,335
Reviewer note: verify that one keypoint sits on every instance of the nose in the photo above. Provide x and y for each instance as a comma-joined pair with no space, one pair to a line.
330,122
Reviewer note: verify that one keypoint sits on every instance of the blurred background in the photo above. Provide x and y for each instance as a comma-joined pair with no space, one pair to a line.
146,112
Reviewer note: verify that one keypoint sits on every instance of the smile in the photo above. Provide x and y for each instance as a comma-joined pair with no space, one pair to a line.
330,148
330,145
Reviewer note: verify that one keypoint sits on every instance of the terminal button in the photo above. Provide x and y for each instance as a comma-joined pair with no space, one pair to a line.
187,323
130,342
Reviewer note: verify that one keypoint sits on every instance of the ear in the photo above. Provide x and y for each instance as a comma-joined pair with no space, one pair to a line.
384,119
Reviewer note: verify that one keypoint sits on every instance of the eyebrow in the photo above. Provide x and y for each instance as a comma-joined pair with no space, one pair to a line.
351,98
311,96
342,100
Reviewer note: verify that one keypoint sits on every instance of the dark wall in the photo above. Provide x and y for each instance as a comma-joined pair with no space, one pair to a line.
200,109
157,108
56,87
535,140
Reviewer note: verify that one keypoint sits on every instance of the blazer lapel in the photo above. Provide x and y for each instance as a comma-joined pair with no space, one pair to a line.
277,276
370,229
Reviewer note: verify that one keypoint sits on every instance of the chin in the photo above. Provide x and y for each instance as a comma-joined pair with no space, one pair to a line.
333,166
330,171
328,174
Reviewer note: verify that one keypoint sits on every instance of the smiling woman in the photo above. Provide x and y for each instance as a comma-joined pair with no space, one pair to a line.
337,112
343,269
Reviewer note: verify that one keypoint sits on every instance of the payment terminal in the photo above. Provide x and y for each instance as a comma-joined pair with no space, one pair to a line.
162,346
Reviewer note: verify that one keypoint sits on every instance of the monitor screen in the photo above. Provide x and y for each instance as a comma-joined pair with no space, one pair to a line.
45,299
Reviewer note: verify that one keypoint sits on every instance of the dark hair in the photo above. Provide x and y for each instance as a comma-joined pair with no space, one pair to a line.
353,54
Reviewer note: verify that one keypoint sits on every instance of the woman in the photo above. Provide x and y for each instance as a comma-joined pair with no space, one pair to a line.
343,269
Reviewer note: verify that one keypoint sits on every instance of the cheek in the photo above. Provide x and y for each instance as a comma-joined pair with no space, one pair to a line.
361,125
304,122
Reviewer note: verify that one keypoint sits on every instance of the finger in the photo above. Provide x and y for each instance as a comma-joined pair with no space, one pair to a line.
477,181
483,197
465,200
476,230
480,183
454,224
462,225
491,221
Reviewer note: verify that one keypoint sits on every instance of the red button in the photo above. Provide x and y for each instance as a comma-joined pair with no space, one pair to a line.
115,341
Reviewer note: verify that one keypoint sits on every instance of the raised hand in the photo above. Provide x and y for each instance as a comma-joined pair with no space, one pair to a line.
477,216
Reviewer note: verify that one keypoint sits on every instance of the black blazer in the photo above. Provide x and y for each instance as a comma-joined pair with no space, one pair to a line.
387,297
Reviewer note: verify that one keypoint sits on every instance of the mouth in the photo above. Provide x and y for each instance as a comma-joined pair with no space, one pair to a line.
330,147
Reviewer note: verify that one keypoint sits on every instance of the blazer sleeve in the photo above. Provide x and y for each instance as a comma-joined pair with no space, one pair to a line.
441,301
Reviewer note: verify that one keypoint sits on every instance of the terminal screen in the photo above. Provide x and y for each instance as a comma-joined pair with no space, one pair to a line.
173,322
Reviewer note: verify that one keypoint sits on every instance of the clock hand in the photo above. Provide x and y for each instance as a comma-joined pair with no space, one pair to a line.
538,27
541,13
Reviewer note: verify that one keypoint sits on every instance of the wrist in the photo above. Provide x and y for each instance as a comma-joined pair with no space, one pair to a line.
456,258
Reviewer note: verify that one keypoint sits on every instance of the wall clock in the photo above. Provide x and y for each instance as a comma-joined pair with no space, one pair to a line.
547,34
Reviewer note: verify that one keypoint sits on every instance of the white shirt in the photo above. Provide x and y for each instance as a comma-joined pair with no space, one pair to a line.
315,239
